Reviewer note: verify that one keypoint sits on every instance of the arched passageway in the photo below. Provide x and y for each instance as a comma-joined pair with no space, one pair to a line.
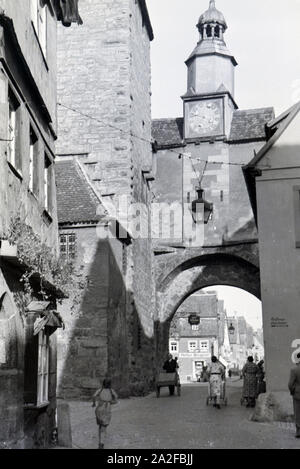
222,321
194,275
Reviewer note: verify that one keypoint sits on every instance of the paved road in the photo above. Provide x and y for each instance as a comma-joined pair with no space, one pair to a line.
184,422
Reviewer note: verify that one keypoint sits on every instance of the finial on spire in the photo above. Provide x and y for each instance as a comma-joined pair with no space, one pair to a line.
212,19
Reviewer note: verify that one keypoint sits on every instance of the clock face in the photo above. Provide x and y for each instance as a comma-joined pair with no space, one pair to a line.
204,118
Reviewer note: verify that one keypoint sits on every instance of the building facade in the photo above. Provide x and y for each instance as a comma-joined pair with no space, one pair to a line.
195,335
104,121
273,182
28,223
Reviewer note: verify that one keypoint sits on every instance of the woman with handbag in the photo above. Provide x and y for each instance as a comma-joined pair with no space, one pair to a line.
104,397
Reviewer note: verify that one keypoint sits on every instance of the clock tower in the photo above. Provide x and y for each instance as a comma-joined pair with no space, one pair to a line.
209,101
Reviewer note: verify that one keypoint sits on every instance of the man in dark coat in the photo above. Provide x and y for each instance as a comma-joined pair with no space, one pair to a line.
294,387
170,366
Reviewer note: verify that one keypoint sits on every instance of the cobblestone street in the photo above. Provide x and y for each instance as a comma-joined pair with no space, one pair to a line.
180,423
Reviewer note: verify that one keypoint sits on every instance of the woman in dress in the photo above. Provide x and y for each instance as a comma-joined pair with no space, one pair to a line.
249,373
216,375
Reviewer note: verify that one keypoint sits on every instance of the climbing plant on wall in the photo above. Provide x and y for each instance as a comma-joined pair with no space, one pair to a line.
39,260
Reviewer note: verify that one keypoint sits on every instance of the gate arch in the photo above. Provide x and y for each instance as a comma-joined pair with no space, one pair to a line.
197,273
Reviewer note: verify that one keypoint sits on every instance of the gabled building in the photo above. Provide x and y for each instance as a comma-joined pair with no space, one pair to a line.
29,267
195,335
95,342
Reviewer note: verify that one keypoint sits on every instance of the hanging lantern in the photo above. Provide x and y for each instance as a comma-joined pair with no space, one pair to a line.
201,209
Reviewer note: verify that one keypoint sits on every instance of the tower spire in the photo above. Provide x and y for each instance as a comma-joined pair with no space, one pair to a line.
212,23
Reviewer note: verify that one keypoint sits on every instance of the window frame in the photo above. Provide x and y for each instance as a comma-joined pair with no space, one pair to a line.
206,348
33,162
48,183
43,368
190,348
172,343
68,255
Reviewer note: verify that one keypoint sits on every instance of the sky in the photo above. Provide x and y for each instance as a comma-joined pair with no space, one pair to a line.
240,302
263,35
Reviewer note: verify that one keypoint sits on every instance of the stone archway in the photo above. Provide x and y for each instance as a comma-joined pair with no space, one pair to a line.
198,273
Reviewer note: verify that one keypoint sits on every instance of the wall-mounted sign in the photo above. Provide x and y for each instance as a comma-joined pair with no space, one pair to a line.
194,319
194,355
279,322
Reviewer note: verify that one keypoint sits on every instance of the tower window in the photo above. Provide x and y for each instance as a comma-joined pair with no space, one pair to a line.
208,31
217,31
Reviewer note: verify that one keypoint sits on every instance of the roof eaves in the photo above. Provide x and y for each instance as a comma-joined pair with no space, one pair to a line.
146,18
289,115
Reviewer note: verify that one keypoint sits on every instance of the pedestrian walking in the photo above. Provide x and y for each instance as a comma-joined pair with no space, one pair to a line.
105,397
171,366
261,384
249,373
294,387
216,375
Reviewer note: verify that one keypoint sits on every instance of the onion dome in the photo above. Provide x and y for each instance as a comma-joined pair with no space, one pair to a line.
212,16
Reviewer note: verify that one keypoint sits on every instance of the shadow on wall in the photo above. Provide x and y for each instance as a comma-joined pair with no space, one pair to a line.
104,336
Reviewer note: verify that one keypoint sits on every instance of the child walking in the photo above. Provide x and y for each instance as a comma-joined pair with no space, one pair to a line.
105,397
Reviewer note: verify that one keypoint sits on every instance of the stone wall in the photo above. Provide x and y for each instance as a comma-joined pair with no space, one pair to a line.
94,342
111,136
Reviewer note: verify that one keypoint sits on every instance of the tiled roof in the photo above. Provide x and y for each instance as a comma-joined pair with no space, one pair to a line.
204,305
250,124
76,202
168,132
208,327
246,125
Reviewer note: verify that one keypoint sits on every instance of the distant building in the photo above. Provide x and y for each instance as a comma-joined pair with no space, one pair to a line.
225,347
193,343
